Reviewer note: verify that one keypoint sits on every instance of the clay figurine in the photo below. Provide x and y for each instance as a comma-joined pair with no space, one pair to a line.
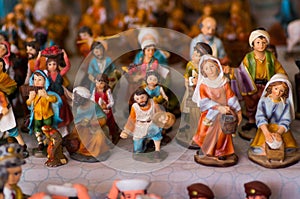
199,190
102,95
257,190
274,145
64,191
54,150
11,158
130,188
141,127
216,100
7,118
3,179
88,140
256,69
190,111
44,108
208,35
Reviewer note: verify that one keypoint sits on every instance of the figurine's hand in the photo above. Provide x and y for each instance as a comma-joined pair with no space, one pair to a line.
268,137
277,137
123,135
4,110
42,93
223,109
240,117
32,95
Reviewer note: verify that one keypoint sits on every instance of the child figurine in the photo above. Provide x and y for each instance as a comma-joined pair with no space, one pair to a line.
215,98
190,110
155,91
102,95
56,77
87,142
3,179
275,112
256,69
11,158
7,118
44,108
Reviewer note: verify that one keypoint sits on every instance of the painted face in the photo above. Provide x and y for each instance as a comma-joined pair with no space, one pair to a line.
209,28
260,44
84,35
196,57
149,51
210,69
142,100
98,52
38,81
257,197
14,175
52,66
3,50
152,80
100,84
277,92
31,52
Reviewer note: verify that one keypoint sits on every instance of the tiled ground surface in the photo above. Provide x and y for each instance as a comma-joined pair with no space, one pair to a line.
170,177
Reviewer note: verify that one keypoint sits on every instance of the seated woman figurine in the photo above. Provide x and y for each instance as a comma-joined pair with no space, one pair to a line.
87,142
215,98
274,115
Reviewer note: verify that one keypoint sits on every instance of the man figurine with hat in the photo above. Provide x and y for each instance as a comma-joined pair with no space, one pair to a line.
11,157
257,190
131,188
200,191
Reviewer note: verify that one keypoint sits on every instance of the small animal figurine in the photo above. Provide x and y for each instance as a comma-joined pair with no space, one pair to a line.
54,150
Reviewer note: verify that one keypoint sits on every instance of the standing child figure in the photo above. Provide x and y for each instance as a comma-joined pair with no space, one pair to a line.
275,112
215,98
44,107
155,91
102,95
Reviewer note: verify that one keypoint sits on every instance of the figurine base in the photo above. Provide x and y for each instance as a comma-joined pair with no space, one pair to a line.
56,163
247,135
152,157
289,160
215,162
84,158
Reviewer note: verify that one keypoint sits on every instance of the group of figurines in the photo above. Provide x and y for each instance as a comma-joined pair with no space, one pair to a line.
212,100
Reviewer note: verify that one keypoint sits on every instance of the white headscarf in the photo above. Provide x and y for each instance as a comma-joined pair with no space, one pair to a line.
256,33
282,78
218,82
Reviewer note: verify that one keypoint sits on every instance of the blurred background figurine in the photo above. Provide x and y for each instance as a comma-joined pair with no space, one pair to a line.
88,140
190,111
11,158
257,189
